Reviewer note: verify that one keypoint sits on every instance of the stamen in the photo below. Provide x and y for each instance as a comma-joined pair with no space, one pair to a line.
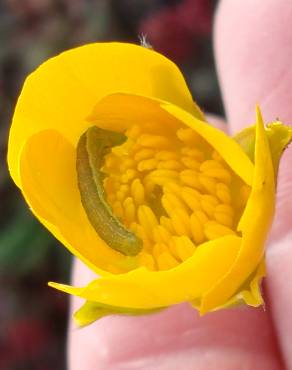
170,164
173,191
161,234
223,193
214,230
147,260
193,152
144,153
191,197
182,247
147,219
166,155
166,261
180,222
188,135
166,222
173,201
147,164
197,229
190,178
138,192
154,141
208,184
190,163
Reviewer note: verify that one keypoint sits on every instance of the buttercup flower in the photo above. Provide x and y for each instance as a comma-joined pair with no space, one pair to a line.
117,161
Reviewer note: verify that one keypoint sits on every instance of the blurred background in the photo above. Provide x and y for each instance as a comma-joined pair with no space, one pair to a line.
33,317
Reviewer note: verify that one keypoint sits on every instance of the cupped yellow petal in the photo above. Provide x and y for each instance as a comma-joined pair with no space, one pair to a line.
49,185
254,224
142,288
63,91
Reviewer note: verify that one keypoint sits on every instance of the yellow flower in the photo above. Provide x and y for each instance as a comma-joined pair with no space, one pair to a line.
117,161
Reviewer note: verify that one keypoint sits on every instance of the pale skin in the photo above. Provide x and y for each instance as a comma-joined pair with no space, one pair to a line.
253,50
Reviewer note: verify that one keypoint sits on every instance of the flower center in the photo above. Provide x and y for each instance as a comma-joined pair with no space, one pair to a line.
173,191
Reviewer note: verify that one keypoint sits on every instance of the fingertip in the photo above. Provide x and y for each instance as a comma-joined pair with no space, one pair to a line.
253,50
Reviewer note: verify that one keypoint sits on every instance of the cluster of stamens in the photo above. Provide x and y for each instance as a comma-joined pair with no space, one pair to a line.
173,191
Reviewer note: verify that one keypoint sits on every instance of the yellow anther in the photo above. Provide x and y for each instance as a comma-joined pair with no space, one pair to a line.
192,152
165,173
129,210
223,193
181,222
166,155
191,163
126,164
148,184
109,185
162,177
217,157
167,224
191,198
158,249
188,135
166,205
166,261
147,219
120,195
223,218
190,178
214,230
111,162
201,216
210,164
111,198
197,229
154,141
139,230
137,192
124,188
145,259
118,209
225,208
133,132
208,183
220,174
208,204
116,183
210,198
147,164
144,153
172,187
182,247
161,234
170,164
128,175
174,201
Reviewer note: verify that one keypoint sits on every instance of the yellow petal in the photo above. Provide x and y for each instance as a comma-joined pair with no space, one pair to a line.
63,91
142,288
49,185
92,311
254,224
